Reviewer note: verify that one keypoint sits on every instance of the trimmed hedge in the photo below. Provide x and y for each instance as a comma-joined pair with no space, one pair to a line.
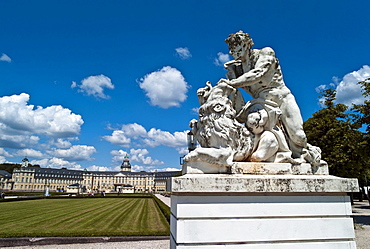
32,193
166,211
33,197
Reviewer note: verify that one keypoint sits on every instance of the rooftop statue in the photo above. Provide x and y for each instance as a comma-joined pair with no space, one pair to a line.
268,128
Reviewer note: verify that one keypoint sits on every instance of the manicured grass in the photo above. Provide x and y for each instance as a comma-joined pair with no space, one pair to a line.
82,217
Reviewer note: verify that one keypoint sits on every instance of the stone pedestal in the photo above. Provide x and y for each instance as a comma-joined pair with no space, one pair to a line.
261,211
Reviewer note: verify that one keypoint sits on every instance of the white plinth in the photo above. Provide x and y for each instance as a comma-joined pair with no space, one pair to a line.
264,212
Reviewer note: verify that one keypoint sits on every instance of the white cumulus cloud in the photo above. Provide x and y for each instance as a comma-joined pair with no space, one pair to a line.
17,141
4,153
95,86
139,155
348,91
75,153
133,130
62,143
130,133
320,88
165,88
56,163
183,53
29,153
119,153
17,117
221,59
118,137
138,168
6,58
156,137
123,136
97,168
135,155
182,150
118,156
169,169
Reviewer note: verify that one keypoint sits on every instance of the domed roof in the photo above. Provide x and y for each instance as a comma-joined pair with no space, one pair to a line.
126,166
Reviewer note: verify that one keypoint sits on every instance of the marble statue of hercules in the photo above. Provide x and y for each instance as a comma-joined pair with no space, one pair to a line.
258,72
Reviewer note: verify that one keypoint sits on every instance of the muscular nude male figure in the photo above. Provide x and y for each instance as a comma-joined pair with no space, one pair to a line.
258,72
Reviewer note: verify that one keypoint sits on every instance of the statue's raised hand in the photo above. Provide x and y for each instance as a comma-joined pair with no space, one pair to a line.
223,81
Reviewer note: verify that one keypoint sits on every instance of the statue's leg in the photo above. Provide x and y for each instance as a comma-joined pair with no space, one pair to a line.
267,147
293,124
220,156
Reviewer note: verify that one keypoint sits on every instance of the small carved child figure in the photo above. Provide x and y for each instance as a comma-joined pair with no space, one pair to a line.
265,143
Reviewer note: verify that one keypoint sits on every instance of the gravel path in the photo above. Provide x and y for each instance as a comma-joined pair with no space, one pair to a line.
157,244
361,215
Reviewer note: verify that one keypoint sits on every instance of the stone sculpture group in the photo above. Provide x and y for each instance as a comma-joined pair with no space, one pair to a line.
268,128
254,181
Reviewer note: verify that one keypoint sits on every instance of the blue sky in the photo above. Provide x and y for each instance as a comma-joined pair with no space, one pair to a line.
85,82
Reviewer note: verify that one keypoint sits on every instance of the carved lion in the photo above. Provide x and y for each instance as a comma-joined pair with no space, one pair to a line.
222,138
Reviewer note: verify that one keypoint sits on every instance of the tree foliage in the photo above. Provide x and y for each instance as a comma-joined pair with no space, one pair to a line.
9,167
343,147
363,110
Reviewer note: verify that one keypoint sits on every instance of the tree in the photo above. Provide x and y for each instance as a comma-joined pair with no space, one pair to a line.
363,118
363,110
9,167
343,146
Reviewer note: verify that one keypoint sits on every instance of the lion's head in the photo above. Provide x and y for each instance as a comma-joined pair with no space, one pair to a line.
217,127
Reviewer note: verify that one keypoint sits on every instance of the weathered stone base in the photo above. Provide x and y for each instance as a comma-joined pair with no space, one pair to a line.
264,212
196,167
263,168
279,168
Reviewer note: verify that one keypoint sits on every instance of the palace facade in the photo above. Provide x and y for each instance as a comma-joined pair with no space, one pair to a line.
28,178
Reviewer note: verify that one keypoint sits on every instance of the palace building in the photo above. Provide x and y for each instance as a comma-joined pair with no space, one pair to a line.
5,180
28,178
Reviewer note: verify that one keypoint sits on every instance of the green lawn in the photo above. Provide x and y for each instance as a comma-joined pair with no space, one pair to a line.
82,217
